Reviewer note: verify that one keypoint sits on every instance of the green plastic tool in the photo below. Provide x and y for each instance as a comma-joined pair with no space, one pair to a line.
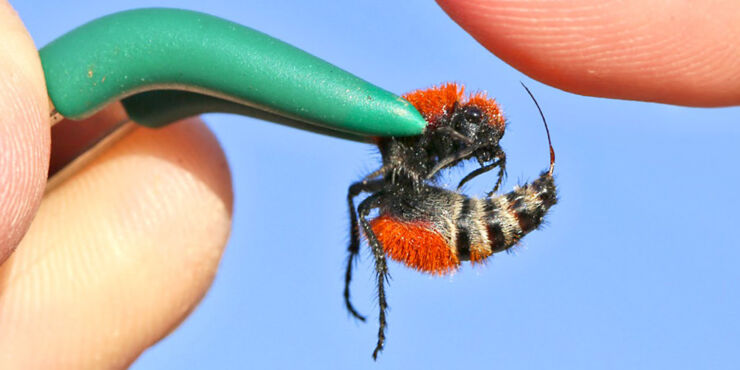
221,66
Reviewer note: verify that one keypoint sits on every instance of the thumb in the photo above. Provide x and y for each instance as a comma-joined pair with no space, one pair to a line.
24,130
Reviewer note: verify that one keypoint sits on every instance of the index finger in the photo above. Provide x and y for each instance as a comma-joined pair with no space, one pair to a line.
673,52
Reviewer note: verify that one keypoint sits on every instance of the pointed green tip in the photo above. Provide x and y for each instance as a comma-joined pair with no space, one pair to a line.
408,120
378,112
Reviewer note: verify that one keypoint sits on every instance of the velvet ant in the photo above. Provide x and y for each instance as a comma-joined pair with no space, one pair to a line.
429,228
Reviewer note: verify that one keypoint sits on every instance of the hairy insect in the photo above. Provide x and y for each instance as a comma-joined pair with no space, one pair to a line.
427,227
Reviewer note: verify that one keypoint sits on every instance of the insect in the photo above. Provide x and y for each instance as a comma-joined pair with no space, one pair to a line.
427,227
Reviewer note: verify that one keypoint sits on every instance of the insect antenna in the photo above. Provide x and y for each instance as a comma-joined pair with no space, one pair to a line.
549,142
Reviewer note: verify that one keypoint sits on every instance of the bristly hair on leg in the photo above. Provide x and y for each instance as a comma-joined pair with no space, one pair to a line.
353,249
381,266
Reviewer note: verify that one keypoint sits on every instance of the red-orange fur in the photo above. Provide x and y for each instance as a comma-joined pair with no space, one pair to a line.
416,245
478,254
489,107
438,100
435,101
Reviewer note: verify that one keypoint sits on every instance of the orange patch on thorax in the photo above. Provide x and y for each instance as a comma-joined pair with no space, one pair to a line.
416,245
437,101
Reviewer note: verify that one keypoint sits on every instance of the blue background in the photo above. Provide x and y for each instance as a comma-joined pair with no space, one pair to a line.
636,269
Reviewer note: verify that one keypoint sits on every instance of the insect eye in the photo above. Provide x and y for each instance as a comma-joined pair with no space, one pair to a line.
472,113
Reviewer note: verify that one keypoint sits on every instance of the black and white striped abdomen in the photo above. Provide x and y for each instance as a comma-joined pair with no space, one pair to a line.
488,225
471,228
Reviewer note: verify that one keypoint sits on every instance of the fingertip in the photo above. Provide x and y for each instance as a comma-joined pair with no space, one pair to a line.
675,52
24,130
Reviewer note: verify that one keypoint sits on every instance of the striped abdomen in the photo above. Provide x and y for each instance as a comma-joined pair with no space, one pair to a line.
435,232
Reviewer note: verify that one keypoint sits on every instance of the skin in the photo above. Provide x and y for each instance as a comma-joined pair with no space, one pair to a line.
160,201
112,260
676,52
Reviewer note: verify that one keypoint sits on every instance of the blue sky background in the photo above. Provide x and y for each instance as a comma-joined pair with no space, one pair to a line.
638,267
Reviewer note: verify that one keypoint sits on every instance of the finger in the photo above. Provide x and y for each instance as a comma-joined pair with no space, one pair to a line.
24,130
69,138
679,52
119,254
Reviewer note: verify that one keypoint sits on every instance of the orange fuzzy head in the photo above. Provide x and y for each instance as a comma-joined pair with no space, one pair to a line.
489,107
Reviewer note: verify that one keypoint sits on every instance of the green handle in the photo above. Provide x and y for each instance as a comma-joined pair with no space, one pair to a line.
152,49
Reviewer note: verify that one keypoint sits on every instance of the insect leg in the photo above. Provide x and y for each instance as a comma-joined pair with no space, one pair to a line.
455,134
380,171
501,171
381,267
446,161
354,242
500,163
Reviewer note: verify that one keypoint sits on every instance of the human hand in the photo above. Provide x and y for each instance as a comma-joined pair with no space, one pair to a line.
673,52
117,256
